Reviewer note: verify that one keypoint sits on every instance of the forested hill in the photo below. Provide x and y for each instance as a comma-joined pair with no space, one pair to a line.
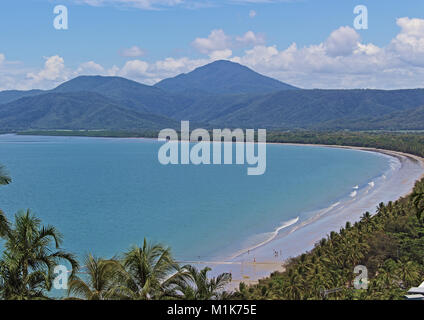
220,94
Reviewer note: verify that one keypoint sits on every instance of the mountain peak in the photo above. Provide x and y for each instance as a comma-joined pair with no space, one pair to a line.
82,83
223,77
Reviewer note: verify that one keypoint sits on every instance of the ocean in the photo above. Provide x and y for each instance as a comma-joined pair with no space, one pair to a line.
105,195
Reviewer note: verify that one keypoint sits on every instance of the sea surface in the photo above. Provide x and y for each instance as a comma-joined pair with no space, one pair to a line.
106,194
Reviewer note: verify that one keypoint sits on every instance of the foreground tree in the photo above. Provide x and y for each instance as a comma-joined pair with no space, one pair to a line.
4,176
418,200
97,282
147,272
195,285
4,224
31,253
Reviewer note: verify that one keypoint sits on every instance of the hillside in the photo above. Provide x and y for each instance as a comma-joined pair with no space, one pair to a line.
220,94
223,77
11,95
134,95
326,108
75,111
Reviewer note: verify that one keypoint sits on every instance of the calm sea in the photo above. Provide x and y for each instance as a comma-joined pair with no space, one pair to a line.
105,195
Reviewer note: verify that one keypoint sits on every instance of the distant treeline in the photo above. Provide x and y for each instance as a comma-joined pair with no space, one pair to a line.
409,142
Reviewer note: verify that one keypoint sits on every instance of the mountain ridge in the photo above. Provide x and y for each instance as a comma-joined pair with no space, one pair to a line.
100,102
223,77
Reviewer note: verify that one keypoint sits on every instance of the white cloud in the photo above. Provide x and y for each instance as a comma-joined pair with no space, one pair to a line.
90,67
134,69
132,52
220,54
53,70
342,42
250,38
217,40
340,61
409,43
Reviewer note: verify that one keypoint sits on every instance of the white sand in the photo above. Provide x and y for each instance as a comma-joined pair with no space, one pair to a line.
258,262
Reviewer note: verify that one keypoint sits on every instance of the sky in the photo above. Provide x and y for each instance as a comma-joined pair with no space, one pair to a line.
306,43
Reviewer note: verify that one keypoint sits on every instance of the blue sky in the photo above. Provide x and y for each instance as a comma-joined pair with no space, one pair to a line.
309,43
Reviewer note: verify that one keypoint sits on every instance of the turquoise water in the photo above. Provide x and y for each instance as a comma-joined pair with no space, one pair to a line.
107,194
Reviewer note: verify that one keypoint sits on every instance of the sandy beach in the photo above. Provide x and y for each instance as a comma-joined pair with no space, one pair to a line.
296,237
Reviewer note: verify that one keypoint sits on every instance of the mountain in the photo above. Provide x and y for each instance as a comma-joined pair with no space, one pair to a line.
75,111
134,95
412,119
319,108
11,95
222,77
220,94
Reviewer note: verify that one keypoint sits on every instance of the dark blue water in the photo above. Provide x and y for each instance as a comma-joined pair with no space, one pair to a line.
106,194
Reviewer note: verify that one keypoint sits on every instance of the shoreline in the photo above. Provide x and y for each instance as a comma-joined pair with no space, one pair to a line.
258,262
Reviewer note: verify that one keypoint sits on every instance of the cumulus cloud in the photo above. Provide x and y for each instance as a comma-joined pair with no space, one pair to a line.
220,54
341,60
132,52
409,43
250,38
342,42
53,70
90,67
135,68
217,40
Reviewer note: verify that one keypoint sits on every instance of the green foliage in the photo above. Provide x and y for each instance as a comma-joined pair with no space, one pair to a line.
4,176
222,77
220,94
390,243
194,284
31,253
75,111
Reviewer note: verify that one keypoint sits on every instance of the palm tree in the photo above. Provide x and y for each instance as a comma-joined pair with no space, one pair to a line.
418,199
147,272
408,272
26,269
4,176
196,285
294,289
4,225
100,276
